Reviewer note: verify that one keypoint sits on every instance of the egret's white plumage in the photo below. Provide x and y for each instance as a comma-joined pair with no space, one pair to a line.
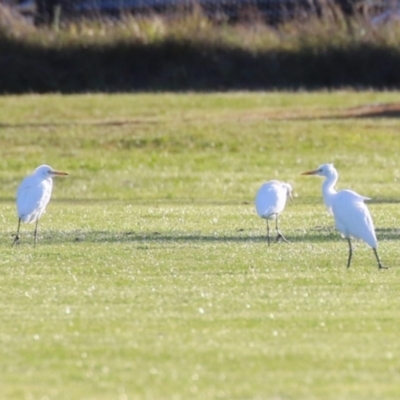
352,217
33,195
270,201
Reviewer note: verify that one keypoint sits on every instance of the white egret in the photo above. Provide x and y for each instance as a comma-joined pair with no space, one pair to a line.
33,195
270,201
352,217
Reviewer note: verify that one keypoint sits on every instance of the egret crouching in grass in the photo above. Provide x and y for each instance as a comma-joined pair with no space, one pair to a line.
352,217
33,195
270,202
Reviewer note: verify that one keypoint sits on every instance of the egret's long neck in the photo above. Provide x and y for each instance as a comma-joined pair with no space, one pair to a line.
328,189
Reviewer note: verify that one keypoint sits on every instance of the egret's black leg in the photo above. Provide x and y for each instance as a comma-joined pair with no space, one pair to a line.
350,253
268,232
280,236
35,233
378,259
16,239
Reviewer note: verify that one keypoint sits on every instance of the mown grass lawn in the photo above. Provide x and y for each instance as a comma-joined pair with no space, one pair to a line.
152,278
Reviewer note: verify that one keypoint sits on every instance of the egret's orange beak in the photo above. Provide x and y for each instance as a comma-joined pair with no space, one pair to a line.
313,172
61,173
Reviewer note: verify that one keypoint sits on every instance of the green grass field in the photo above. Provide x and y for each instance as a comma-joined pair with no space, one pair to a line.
152,278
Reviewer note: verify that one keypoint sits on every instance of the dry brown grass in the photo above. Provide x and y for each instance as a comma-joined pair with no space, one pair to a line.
13,24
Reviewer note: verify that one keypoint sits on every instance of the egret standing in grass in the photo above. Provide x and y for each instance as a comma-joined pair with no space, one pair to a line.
33,195
270,202
352,217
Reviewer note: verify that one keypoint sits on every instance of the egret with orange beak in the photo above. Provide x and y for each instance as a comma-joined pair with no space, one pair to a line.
352,217
33,195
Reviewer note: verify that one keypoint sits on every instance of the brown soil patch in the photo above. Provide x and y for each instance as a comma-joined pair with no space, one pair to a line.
378,110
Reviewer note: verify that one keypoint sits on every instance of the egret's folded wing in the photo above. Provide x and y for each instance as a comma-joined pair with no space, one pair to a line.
32,198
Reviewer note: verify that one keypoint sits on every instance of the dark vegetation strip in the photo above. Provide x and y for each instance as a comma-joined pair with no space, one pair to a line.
215,58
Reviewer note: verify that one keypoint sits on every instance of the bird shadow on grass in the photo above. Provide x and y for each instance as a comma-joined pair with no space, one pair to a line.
180,237
160,238
312,235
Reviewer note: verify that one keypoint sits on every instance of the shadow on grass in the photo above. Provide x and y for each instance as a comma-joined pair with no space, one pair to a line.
381,200
314,235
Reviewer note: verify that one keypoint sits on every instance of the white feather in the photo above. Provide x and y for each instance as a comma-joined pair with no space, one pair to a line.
271,199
